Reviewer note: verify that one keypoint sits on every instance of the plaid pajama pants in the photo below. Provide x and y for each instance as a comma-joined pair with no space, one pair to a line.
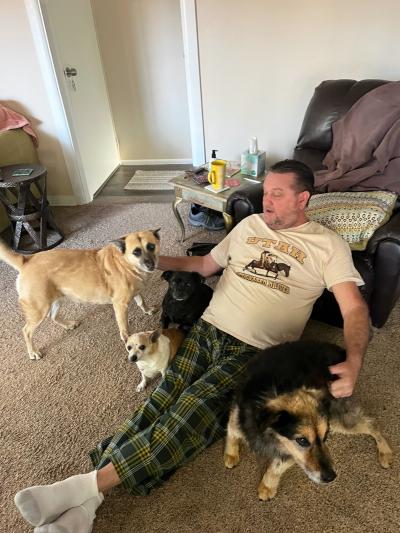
184,414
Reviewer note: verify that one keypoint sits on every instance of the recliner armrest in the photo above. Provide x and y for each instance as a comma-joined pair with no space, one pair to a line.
390,232
245,202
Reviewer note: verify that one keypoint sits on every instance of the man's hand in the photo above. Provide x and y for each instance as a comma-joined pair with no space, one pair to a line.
347,373
356,335
203,264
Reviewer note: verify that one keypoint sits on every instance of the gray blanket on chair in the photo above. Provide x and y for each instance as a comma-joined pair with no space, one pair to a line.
365,152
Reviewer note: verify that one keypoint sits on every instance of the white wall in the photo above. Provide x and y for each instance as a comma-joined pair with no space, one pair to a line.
22,88
260,61
142,51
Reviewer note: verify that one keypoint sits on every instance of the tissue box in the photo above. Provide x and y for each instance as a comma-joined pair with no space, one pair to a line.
252,164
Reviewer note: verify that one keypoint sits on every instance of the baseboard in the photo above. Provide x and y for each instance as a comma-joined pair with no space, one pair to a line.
106,181
61,200
156,162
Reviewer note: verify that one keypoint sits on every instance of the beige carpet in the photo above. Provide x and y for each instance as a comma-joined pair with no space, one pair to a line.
53,411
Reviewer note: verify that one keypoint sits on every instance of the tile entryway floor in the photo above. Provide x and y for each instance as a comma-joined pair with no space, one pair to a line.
113,191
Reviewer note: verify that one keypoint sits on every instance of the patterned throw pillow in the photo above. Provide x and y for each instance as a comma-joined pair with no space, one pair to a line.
353,215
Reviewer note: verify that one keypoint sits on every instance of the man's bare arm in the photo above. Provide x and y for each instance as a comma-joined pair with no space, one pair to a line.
204,265
355,315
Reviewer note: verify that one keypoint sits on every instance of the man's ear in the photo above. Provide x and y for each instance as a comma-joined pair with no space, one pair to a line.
155,335
304,197
155,233
120,244
167,275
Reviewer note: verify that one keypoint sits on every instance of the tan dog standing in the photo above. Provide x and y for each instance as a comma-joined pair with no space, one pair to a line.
113,275
152,351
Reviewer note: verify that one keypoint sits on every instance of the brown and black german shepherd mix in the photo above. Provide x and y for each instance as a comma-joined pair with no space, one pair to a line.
113,275
283,410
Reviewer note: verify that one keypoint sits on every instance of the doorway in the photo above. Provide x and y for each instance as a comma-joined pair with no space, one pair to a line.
61,60
72,39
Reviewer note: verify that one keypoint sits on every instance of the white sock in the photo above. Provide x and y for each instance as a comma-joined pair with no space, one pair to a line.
44,503
75,520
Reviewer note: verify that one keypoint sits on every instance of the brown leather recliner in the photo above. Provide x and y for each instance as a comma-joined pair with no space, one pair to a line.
379,264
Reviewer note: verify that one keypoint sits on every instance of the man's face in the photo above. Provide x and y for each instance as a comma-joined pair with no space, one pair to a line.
283,207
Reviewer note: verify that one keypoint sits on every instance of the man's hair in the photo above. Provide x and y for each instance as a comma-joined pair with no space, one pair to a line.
304,174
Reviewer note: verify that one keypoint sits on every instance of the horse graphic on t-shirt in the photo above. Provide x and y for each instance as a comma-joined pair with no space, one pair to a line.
268,263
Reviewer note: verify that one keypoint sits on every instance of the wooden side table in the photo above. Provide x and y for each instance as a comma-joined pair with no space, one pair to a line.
186,189
33,226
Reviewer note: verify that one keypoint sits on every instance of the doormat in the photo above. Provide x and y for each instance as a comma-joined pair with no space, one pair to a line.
153,180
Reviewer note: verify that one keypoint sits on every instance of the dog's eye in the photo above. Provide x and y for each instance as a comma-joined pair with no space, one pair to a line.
137,252
303,442
151,247
142,347
129,348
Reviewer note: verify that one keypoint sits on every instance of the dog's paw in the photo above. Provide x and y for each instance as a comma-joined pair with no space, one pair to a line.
231,460
35,356
124,337
152,310
71,324
385,459
266,493
141,387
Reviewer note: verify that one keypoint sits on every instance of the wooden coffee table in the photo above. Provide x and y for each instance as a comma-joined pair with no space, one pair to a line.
186,189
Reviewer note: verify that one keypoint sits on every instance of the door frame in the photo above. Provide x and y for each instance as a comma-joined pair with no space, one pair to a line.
65,135
193,80
60,111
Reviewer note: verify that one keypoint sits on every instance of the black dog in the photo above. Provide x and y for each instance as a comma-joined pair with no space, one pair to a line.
186,299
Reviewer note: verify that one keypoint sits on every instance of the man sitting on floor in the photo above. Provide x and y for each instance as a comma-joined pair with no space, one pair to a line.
248,311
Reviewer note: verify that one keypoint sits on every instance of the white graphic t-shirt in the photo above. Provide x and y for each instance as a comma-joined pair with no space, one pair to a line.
272,278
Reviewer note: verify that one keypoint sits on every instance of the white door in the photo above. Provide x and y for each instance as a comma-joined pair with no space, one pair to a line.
72,38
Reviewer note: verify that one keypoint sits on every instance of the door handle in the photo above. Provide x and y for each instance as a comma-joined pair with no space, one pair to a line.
69,72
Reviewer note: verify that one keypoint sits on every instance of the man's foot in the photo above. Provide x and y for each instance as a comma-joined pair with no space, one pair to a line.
75,520
44,503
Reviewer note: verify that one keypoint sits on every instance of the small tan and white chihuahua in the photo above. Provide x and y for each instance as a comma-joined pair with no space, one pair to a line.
152,351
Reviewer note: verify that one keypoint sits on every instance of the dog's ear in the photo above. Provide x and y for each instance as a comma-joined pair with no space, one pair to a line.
155,335
155,233
281,421
284,423
325,404
263,419
167,275
266,418
198,277
120,244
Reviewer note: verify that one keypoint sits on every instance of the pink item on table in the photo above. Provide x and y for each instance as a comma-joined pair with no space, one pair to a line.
232,182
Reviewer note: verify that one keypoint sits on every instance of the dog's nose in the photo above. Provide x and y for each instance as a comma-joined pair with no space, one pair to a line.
149,264
132,358
328,475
